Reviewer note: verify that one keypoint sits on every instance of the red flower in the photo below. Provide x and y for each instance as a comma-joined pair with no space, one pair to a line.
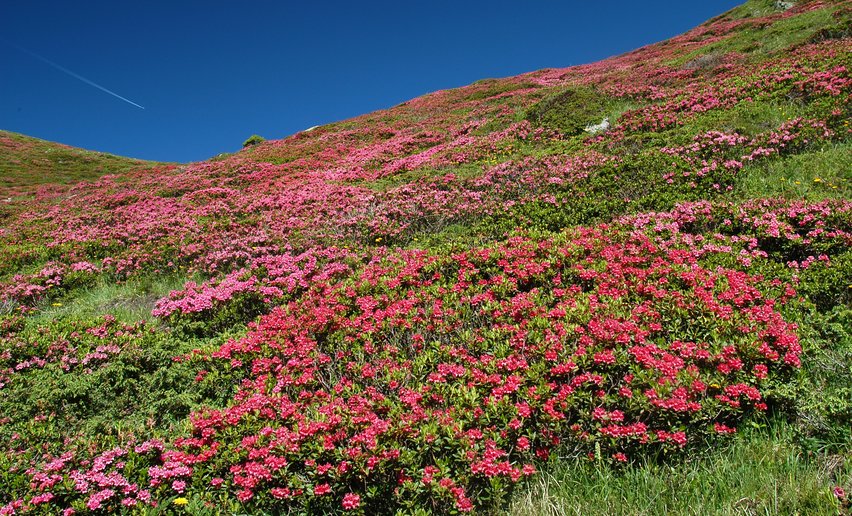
351,501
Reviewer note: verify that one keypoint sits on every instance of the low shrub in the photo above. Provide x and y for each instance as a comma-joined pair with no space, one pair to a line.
569,111
253,140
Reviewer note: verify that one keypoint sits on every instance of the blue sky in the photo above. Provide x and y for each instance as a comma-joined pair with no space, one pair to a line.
211,73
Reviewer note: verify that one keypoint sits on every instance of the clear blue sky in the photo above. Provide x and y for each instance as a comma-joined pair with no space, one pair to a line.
211,73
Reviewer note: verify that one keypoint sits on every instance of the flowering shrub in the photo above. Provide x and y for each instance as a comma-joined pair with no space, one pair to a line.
247,292
441,380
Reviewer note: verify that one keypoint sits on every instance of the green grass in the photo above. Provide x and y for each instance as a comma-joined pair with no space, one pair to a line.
27,162
463,171
130,301
745,118
753,9
821,174
486,88
760,472
760,41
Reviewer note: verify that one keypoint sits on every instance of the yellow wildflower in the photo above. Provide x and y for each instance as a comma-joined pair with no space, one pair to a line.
180,501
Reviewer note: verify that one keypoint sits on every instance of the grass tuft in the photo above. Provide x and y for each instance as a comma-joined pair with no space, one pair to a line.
760,472
130,301
814,176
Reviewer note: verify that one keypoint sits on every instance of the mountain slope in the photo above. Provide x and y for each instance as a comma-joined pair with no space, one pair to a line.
26,161
607,266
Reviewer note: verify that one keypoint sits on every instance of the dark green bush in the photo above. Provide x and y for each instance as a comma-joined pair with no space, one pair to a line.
569,111
253,140
103,376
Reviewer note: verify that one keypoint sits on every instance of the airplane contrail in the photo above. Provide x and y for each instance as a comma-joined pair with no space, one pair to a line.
75,75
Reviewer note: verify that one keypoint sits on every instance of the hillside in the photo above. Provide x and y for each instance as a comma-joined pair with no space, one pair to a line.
26,161
621,287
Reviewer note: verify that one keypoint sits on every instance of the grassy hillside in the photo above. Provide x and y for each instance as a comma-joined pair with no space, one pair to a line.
26,161
616,288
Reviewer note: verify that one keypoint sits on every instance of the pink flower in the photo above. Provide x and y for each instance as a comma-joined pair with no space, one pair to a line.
723,429
96,500
42,498
280,492
351,501
463,503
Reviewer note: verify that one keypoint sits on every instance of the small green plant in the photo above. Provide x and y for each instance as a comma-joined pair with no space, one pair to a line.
253,140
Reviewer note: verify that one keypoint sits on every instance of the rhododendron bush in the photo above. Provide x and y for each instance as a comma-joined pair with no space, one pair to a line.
441,380
421,308
246,292
438,380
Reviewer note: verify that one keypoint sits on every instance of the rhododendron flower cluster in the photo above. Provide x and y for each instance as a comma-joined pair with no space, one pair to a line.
496,356
268,278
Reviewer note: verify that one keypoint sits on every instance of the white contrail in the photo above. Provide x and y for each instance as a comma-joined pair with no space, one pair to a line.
76,76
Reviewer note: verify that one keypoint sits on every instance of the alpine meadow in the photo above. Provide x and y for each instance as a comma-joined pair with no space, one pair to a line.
622,287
